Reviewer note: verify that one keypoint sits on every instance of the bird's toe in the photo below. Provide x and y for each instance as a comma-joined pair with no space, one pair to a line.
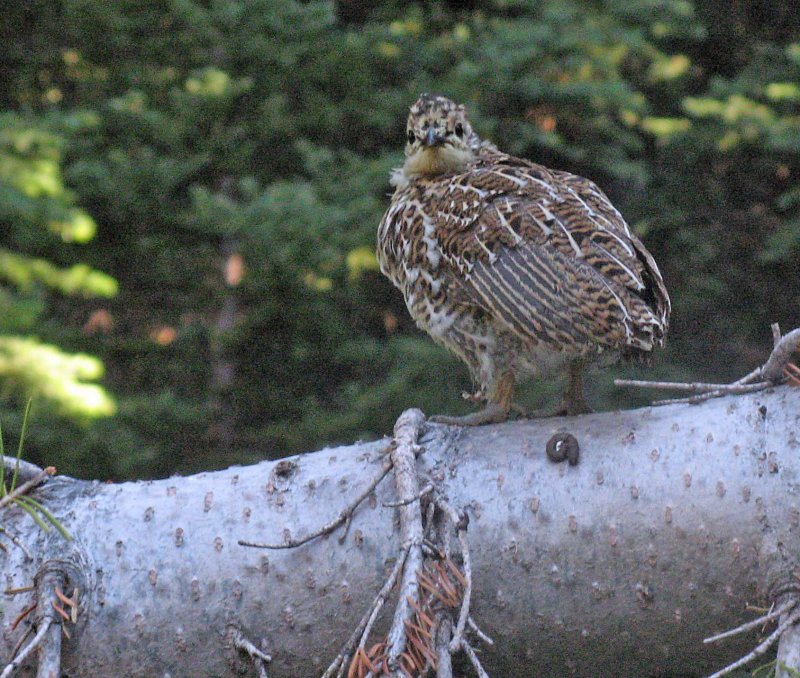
491,414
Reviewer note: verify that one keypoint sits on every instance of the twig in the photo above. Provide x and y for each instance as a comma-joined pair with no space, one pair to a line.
16,541
460,524
48,637
30,647
50,581
18,590
776,334
443,533
430,525
27,485
769,374
22,616
761,648
476,663
347,522
49,663
773,614
396,504
730,389
403,456
362,630
697,386
466,599
780,356
788,655
477,630
260,659
444,667
381,599
344,516
21,641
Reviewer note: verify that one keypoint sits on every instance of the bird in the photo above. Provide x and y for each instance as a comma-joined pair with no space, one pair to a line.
519,270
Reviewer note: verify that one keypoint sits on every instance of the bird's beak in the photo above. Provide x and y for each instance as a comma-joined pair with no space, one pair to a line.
432,138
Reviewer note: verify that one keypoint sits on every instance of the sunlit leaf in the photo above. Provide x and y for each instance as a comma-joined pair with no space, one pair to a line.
54,377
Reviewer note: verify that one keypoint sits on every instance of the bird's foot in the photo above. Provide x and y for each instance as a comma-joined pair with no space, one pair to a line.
574,403
493,413
521,411
565,409
571,407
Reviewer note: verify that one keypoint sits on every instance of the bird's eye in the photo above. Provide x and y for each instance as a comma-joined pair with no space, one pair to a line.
459,130
411,137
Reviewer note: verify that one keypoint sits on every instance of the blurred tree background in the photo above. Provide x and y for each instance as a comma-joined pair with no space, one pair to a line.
190,190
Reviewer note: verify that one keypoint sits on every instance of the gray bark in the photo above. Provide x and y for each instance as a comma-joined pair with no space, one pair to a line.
788,655
674,519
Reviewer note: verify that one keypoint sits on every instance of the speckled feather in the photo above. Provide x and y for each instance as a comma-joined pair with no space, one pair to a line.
516,267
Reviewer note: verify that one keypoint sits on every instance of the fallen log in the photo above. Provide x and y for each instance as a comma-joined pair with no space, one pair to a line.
672,523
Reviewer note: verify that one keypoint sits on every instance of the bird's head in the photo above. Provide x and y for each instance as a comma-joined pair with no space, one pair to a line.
439,139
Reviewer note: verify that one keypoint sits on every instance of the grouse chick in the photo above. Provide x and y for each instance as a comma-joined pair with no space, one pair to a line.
520,270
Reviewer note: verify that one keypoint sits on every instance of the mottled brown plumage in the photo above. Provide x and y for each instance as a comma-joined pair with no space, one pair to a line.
517,269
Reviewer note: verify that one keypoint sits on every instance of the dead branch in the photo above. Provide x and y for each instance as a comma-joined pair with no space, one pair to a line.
476,663
754,623
48,636
772,370
396,504
344,516
49,663
406,433
444,668
460,525
359,636
17,542
38,639
788,659
694,387
731,389
260,659
777,369
478,632
791,619
27,485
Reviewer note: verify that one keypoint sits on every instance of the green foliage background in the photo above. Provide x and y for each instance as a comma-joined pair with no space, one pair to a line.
189,195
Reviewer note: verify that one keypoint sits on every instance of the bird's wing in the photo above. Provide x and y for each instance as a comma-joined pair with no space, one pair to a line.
548,255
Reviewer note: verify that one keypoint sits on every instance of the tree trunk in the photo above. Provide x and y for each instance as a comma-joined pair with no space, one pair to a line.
674,519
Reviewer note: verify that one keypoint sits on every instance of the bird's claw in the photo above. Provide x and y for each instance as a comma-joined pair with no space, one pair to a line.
493,413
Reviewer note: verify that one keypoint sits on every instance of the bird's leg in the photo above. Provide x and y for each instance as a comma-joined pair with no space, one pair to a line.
495,411
574,402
